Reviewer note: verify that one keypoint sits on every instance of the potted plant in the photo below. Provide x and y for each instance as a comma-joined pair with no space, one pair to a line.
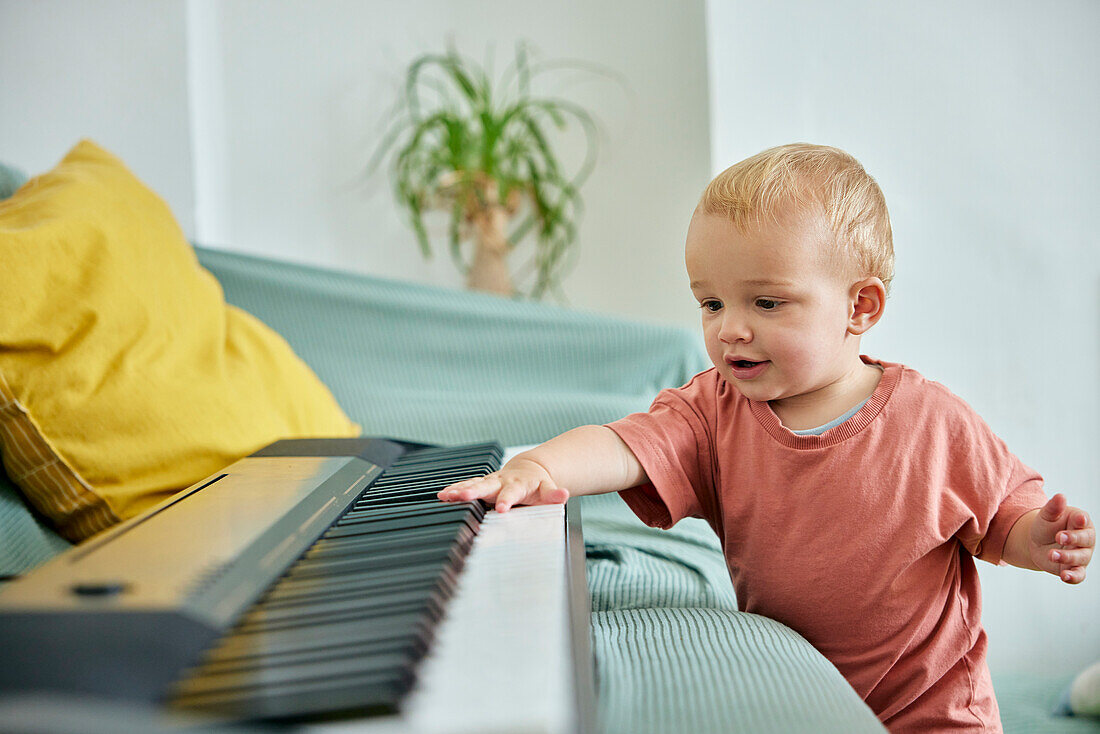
483,154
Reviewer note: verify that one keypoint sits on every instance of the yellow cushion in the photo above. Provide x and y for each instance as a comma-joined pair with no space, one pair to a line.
124,375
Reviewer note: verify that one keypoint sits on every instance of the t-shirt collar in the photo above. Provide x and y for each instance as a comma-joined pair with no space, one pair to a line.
863,417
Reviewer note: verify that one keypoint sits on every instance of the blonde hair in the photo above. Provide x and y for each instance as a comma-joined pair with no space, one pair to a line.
760,188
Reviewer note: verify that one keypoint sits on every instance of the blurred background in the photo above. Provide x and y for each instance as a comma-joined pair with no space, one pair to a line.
255,122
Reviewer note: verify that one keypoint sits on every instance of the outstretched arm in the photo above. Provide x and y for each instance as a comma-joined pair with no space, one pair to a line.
1054,538
585,460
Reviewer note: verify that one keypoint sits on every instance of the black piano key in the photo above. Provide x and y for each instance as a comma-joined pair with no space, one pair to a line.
293,596
427,507
385,497
392,663
448,474
397,526
380,499
421,481
320,636
370,693
428,606
327,567
355,568
432,456
400,523
326,633
397,501
424,579
441,473
448,471
337,594
327,607
424,507
218,665
414,532
363,575
224,663
425,513
374,581
329,556
436,534
425,480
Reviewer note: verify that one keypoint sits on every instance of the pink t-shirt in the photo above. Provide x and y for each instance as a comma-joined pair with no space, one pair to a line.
861,539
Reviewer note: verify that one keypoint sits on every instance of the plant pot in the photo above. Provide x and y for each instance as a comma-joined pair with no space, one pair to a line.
489,270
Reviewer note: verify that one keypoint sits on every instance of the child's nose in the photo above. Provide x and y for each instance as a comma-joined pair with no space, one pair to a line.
734,329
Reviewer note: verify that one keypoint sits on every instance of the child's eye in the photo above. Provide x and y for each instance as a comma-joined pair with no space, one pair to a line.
767,304
710,305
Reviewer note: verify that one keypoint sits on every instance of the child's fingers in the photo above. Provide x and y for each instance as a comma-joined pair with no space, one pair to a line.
1084,538
1054,508
521,492
1073,575
473,481
551,495
459,486
1069,558
471,489
513,491
504,490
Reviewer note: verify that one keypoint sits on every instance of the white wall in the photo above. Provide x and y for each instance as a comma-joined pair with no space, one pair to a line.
255,120
979,122
304,89
115,72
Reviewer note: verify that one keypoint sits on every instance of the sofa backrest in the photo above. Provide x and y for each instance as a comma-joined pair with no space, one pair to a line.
435,365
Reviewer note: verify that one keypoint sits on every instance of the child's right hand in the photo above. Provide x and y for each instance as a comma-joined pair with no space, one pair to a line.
519,482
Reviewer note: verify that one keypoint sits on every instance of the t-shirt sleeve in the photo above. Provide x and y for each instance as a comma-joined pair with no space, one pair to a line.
670,441
995,486
1027,496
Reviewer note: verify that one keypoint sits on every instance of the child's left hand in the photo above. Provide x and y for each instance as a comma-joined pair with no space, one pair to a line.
1062,540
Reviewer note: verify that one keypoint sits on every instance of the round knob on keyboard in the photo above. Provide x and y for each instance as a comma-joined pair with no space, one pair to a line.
99,588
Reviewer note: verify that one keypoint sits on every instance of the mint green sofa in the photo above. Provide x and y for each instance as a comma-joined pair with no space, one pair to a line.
414,362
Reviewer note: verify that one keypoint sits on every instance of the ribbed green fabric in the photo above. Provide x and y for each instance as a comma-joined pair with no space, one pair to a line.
674,654
24,540
1027,700
631,566
710,670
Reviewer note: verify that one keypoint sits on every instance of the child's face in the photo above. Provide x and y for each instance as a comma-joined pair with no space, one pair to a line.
774,296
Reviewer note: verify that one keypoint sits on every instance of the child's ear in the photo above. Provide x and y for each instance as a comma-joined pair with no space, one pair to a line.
866,300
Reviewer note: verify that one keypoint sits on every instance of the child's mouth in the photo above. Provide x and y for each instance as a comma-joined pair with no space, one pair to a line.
744,369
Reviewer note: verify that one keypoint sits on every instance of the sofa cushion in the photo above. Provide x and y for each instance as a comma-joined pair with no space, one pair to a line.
710,671
124,376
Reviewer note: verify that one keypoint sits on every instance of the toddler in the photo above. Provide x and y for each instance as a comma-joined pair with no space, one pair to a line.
850,494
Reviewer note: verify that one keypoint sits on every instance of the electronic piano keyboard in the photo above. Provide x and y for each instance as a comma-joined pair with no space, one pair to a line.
319,584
